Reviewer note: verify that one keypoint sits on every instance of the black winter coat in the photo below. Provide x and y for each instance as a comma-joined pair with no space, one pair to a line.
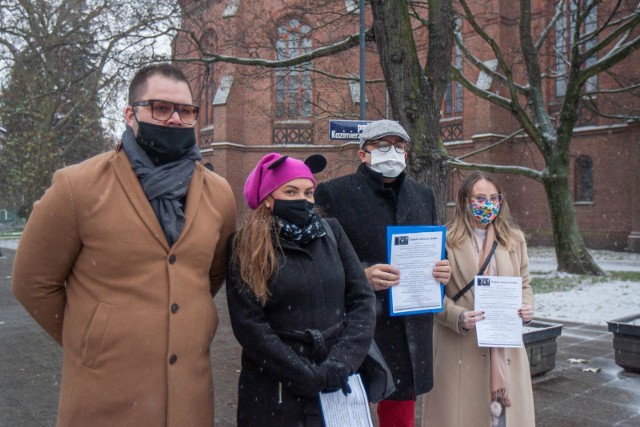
365,207
317,286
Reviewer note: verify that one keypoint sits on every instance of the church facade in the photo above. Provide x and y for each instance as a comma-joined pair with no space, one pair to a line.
249,111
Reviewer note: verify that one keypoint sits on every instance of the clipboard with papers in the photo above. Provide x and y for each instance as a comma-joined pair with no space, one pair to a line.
414,250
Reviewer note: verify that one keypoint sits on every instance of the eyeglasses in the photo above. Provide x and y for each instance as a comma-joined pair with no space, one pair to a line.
163,110
384,146
481,198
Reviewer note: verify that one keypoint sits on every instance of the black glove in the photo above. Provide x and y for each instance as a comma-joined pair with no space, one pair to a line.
333,376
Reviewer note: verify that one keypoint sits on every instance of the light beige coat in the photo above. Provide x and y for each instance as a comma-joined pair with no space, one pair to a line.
461,395
95,271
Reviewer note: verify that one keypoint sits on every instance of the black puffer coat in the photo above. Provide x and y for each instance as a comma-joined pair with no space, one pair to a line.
365,207
318,286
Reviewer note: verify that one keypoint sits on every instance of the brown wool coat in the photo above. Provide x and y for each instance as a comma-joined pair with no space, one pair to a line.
461,395
95,271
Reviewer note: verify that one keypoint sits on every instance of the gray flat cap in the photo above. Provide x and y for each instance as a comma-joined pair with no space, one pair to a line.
382,128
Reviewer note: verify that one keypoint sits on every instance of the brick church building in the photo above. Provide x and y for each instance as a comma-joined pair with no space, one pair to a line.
247,112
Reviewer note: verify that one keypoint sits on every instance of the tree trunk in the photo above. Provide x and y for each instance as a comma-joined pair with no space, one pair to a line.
416,94
571,252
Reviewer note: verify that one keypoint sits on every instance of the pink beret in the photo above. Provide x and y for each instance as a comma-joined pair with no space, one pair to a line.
270,173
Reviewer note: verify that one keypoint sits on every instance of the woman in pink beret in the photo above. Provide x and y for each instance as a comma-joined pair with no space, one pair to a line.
299,302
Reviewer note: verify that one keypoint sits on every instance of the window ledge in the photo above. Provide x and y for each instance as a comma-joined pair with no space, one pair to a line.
292,121
207,129
450,118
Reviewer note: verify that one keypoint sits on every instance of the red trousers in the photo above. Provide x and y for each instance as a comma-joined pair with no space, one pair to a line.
396,413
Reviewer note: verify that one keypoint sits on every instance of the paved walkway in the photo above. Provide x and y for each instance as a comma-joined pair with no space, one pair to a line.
566,396
569,396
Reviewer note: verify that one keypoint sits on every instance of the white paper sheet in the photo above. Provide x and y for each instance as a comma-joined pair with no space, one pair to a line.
415,255
500,298
351,410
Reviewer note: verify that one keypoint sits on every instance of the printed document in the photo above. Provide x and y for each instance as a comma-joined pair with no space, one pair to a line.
414,251
351,410
499,297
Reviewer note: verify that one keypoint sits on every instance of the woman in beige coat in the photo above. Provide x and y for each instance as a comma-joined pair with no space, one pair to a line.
479,386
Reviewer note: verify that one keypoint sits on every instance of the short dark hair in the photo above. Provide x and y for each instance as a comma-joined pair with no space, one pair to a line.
139,81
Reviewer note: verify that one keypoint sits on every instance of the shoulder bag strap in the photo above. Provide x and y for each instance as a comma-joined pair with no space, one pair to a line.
457,296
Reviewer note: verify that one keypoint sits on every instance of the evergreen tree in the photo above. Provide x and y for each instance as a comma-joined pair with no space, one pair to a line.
51,122
62,62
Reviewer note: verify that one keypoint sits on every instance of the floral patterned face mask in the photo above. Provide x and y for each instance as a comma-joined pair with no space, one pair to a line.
485,210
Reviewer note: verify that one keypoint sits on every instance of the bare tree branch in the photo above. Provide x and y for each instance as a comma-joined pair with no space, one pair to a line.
322,52
519,170
482,93
589,104
507,138
535,94
502,63
626,89
618,52
547,29
610,22
480,64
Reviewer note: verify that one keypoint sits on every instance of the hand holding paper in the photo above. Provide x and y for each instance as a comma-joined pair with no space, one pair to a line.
382,276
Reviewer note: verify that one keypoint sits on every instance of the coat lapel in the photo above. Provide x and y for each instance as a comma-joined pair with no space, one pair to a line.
193,199
466,262
131,186
503,261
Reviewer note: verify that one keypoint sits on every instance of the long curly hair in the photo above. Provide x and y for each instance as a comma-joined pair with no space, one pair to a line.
463,223
254,253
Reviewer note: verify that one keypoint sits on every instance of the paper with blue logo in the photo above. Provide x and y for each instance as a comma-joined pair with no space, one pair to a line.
414,250
499,297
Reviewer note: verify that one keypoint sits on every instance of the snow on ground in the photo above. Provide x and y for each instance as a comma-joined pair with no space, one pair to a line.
586,303
593,303
543,259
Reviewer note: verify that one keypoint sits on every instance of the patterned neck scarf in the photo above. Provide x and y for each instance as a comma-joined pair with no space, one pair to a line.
297,235
499,363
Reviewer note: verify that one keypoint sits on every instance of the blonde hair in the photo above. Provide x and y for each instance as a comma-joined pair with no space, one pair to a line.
254,253
463,223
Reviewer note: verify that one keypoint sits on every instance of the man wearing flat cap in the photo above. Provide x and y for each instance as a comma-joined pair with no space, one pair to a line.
377,195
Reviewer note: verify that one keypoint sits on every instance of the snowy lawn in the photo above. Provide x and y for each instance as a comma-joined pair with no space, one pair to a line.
585,299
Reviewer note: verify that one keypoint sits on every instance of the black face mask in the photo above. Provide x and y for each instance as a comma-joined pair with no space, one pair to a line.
297,212
165,144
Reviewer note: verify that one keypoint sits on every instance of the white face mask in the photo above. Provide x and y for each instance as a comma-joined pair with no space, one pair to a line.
389,164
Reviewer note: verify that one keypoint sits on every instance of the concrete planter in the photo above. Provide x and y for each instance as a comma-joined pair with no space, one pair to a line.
539,340
626,342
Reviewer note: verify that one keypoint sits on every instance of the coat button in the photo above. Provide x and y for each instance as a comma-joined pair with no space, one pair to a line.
173,359
172,259
175,308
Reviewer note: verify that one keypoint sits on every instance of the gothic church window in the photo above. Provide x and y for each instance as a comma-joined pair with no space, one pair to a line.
583,179
208,83
452,103
293,84
571,12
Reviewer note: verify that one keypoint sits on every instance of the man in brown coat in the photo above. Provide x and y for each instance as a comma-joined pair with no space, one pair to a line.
120,261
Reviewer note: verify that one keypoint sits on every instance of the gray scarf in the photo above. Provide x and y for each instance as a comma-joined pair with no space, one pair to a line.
164,185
